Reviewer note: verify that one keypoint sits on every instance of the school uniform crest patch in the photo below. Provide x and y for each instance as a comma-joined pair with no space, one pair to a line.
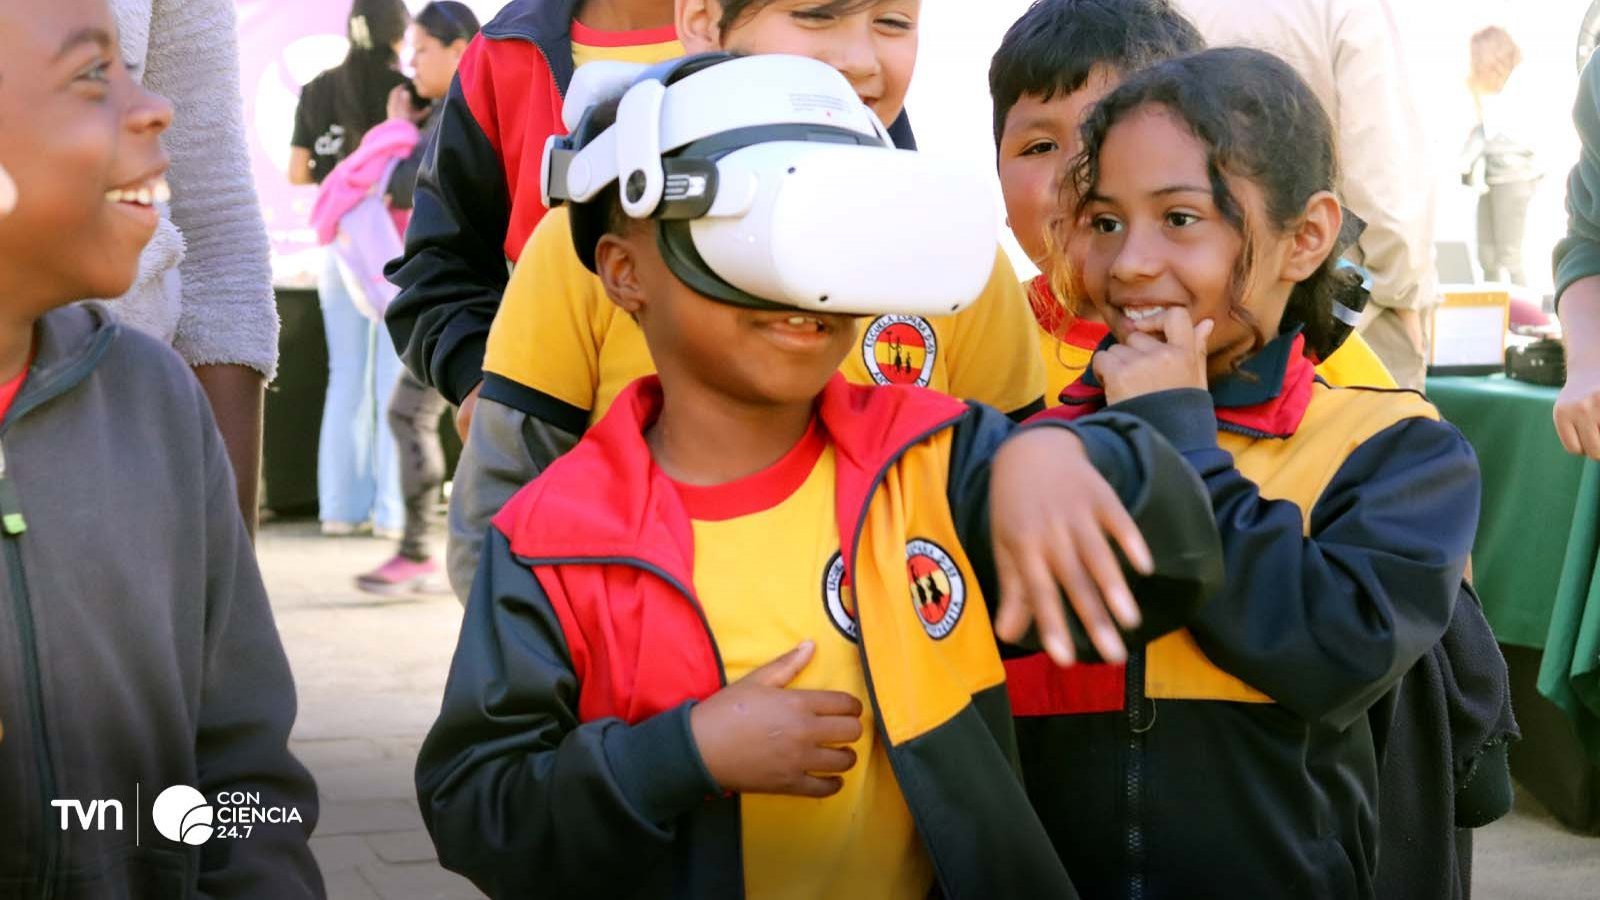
900,350
839,601
938,592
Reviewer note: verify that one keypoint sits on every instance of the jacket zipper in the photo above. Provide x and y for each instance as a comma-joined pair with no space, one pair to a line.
12,525
1133,778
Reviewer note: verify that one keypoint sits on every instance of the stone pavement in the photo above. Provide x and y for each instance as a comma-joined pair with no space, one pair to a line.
370,671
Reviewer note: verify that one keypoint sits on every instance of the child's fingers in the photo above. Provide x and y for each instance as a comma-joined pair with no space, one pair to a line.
829,760
1085,599
1106,571
1142,342
837,729
1178,328
812,786
1115,519
1044,601
1011,620
830,703
785,668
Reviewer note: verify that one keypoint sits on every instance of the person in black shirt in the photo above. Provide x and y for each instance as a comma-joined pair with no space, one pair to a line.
338,106
358,481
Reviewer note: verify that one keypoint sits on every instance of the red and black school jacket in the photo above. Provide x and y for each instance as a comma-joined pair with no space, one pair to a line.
478,197
1235,757
563,764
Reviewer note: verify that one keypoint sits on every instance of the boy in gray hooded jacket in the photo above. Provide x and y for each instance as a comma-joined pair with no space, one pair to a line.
145,700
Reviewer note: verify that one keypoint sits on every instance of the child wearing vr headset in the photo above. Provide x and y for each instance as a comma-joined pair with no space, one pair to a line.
1058,60
738,641
559,352
1347,514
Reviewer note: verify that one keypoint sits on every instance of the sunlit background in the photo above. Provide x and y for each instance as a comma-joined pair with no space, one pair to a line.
949,102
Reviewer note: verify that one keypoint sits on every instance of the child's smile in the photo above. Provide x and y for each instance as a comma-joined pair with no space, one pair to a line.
138,198
800,332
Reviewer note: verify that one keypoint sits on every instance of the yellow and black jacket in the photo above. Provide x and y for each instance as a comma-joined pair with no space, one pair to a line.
1239,756
562,763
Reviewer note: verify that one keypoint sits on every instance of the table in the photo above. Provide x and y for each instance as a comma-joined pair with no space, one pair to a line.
1535,565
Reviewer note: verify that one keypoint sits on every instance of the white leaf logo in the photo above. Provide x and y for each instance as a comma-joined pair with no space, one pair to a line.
182,814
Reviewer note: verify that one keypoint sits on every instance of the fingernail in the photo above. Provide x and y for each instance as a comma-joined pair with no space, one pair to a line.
1130,610
1059,650
1117,653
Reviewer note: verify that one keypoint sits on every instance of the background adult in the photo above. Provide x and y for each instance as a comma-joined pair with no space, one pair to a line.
357,477
1499,161
205,281
439,37
1577,262
1349,52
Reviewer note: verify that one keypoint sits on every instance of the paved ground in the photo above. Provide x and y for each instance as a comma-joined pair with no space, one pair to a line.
370,672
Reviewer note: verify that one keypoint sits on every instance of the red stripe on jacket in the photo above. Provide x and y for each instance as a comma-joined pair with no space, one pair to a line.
515,100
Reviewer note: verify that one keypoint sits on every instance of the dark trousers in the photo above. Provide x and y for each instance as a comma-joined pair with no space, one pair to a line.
414,415
1502,221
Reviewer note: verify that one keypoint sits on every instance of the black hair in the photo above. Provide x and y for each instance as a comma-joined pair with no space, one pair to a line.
1056,45
1260,121
735,11
448,21
374,27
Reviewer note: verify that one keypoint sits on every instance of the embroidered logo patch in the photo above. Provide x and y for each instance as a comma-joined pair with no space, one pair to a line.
937,589
900,350
839,601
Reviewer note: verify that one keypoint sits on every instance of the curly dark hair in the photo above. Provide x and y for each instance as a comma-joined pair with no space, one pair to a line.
1258,120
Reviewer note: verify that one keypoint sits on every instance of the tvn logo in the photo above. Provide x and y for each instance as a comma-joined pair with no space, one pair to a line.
181,814
91,817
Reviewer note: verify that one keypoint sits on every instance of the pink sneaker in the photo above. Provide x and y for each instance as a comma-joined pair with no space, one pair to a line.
400,576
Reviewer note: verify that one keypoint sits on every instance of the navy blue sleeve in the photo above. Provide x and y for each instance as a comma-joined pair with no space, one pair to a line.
1327,624
1167,502
520,796
454,269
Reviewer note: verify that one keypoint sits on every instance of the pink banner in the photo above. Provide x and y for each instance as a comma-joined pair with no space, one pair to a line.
283,45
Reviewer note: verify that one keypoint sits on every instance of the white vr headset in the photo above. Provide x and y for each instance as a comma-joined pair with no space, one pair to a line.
775,187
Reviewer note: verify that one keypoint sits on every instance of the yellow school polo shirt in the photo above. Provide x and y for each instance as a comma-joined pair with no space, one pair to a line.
646,46
761,597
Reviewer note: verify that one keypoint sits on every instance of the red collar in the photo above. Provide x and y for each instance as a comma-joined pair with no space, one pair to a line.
607,499
1267,397
1055,319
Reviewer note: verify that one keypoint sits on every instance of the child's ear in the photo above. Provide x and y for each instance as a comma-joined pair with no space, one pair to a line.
1314,238
8,193
697,25
618,266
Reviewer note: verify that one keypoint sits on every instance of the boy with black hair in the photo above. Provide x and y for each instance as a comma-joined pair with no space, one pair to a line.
1056,62
137,647
628,713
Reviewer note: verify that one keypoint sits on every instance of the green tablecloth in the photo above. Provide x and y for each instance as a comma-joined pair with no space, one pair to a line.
1538,547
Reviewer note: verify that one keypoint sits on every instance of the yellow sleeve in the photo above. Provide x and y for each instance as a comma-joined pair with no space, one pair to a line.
994,356
1355,365
547,334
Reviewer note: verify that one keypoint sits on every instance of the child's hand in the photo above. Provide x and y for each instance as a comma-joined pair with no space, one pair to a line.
1052,519
1145,365
758,737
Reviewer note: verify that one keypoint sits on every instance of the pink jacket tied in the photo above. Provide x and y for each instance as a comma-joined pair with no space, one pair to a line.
352,219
